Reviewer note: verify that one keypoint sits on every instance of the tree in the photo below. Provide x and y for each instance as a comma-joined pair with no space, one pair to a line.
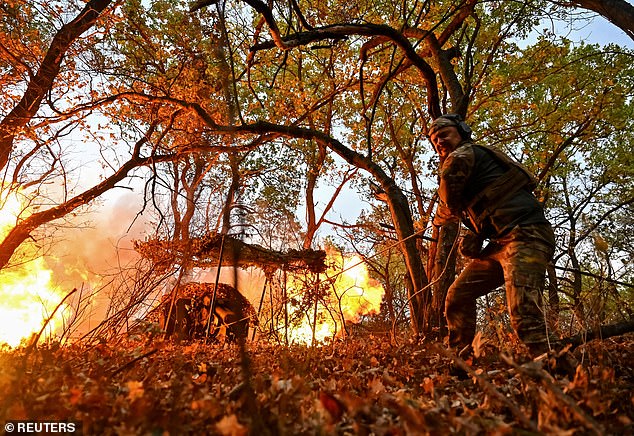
42,76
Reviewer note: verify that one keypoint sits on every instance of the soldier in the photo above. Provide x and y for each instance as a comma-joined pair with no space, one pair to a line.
492,195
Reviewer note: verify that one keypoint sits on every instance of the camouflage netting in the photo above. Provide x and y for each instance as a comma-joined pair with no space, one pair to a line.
205,253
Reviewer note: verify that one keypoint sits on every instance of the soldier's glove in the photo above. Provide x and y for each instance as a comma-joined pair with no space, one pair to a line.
471,245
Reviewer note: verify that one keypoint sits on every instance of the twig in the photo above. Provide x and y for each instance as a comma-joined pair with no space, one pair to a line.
36,339
487,387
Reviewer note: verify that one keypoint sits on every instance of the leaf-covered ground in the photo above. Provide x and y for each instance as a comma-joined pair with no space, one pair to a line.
360,386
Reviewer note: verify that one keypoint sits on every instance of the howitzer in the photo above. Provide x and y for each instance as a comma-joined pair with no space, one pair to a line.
188,317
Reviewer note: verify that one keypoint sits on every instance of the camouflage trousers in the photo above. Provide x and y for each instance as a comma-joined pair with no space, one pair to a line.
517,260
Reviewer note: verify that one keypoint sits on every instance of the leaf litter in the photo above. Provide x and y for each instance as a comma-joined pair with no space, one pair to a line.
358,386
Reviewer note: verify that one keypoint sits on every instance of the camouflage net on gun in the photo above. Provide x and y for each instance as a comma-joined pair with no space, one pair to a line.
205,253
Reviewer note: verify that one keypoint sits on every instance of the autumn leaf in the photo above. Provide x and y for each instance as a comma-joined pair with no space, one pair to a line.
332,405
376,386
599,243
477,344
135,390
230,426
199,379
428,385
75,395
296,395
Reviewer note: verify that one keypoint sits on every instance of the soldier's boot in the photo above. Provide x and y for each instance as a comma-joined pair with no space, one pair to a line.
465,353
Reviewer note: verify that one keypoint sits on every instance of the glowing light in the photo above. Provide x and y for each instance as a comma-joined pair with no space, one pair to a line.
10,208
27,297
351,294
360,294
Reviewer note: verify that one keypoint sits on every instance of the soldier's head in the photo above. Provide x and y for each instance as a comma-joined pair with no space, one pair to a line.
447,132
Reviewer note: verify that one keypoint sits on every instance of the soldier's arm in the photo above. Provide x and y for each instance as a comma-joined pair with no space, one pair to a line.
443,215
454,176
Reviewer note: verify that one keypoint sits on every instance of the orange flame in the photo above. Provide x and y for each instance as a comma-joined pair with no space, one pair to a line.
352,294
27,297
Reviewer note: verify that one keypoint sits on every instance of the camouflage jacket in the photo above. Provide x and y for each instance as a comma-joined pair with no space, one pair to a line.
478,186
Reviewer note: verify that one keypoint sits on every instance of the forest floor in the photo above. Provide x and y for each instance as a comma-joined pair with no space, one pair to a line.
360,386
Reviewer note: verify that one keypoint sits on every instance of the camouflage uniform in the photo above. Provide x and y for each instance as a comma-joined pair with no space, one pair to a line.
521,243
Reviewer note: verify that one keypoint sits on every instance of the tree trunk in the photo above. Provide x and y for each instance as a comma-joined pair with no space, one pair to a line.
404,225
314,171
442,275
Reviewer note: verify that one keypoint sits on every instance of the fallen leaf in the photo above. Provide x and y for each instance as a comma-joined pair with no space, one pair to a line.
376,386
332,405
478,343
230,426
135,390
75,395
199,379
428,385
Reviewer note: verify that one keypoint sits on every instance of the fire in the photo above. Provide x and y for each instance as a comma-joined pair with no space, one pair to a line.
351,294
27,297
360,294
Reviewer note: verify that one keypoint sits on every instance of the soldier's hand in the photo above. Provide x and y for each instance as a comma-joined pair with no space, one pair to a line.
471,245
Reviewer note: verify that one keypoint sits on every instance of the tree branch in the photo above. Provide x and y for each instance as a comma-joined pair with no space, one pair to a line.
618,12
341,31
42,82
